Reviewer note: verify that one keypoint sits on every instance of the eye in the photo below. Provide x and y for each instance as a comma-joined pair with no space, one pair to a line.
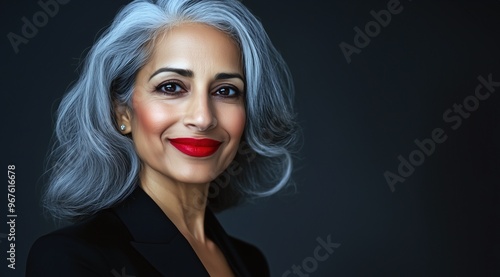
227,92
170,88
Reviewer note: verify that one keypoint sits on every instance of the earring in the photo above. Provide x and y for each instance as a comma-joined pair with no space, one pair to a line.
122,127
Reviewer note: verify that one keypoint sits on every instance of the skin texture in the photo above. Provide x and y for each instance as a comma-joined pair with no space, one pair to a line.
181,93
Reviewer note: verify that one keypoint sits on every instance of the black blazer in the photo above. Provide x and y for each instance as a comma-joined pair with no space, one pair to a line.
135,239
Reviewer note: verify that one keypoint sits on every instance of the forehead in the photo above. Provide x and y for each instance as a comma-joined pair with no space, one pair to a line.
195,44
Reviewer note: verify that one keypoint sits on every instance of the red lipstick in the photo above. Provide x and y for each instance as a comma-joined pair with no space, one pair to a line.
196,147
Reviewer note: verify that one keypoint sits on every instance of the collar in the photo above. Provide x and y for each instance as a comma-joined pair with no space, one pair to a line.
159,241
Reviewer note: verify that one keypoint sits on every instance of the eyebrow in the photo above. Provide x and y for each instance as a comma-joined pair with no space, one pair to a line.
190,73
180,71
222,76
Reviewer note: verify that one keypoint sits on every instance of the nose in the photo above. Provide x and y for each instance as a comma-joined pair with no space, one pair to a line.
199,114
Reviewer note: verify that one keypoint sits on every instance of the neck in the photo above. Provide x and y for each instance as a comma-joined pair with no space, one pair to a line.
183,203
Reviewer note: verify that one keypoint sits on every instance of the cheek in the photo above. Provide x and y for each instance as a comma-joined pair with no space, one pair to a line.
234,123
151,118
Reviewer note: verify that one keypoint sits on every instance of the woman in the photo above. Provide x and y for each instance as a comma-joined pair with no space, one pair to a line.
182,107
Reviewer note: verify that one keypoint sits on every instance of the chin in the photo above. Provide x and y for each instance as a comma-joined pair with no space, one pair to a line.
196,175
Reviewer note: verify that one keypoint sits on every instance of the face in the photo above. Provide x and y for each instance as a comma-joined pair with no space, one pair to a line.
188,112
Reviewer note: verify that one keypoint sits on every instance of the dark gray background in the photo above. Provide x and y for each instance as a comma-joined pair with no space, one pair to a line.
357,119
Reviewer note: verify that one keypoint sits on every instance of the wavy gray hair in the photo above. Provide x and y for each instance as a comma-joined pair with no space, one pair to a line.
94,167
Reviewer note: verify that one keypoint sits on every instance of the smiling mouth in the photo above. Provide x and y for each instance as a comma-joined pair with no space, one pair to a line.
196,147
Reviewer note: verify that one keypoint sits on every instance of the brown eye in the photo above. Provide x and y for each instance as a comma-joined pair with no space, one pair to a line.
227,92
169,88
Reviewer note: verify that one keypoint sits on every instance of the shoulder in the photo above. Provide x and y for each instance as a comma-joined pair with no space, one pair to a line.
81,249
58,253
253,258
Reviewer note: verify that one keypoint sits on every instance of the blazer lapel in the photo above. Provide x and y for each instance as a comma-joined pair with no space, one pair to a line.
215,232
172,259
157,239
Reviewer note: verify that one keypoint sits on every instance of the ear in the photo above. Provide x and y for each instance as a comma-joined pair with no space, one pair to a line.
123,116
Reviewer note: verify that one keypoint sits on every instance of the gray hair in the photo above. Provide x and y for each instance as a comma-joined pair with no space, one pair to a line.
93,166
